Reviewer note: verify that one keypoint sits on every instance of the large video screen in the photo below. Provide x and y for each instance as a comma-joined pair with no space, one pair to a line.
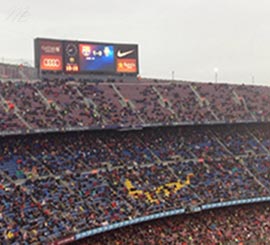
86,57
95,57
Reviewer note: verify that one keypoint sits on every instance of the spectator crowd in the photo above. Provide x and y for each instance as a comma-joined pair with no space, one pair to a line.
235,225
60,184
58,104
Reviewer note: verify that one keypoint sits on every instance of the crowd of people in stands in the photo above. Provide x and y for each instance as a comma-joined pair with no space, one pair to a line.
61,103
55,185
235,225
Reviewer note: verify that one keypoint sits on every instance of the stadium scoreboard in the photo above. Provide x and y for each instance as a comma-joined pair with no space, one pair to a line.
79,57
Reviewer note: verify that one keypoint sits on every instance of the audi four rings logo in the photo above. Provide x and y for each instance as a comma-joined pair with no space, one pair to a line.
51,62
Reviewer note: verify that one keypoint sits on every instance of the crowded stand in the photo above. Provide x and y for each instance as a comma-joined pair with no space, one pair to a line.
240,141
67,183
9,120
67,103
113,109
224,102
182,100
27,102
236,225
61,104
146,101
256,99
191,144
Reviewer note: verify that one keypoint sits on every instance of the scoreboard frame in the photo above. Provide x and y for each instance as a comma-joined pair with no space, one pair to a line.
85,57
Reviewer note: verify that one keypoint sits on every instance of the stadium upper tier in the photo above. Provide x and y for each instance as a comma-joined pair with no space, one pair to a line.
58,185
54,105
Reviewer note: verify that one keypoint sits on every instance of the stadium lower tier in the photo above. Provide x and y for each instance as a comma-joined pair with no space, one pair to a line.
241,225
54,186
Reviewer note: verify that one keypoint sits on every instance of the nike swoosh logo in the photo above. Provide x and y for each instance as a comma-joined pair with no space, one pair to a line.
121,54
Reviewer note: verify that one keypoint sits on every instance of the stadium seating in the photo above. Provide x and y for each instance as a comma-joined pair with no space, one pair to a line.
237,225
187,106
256,99
61,104
62,183
224,102
56,185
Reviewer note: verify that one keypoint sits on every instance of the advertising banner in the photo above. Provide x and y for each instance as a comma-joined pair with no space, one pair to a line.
51,55
126,57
